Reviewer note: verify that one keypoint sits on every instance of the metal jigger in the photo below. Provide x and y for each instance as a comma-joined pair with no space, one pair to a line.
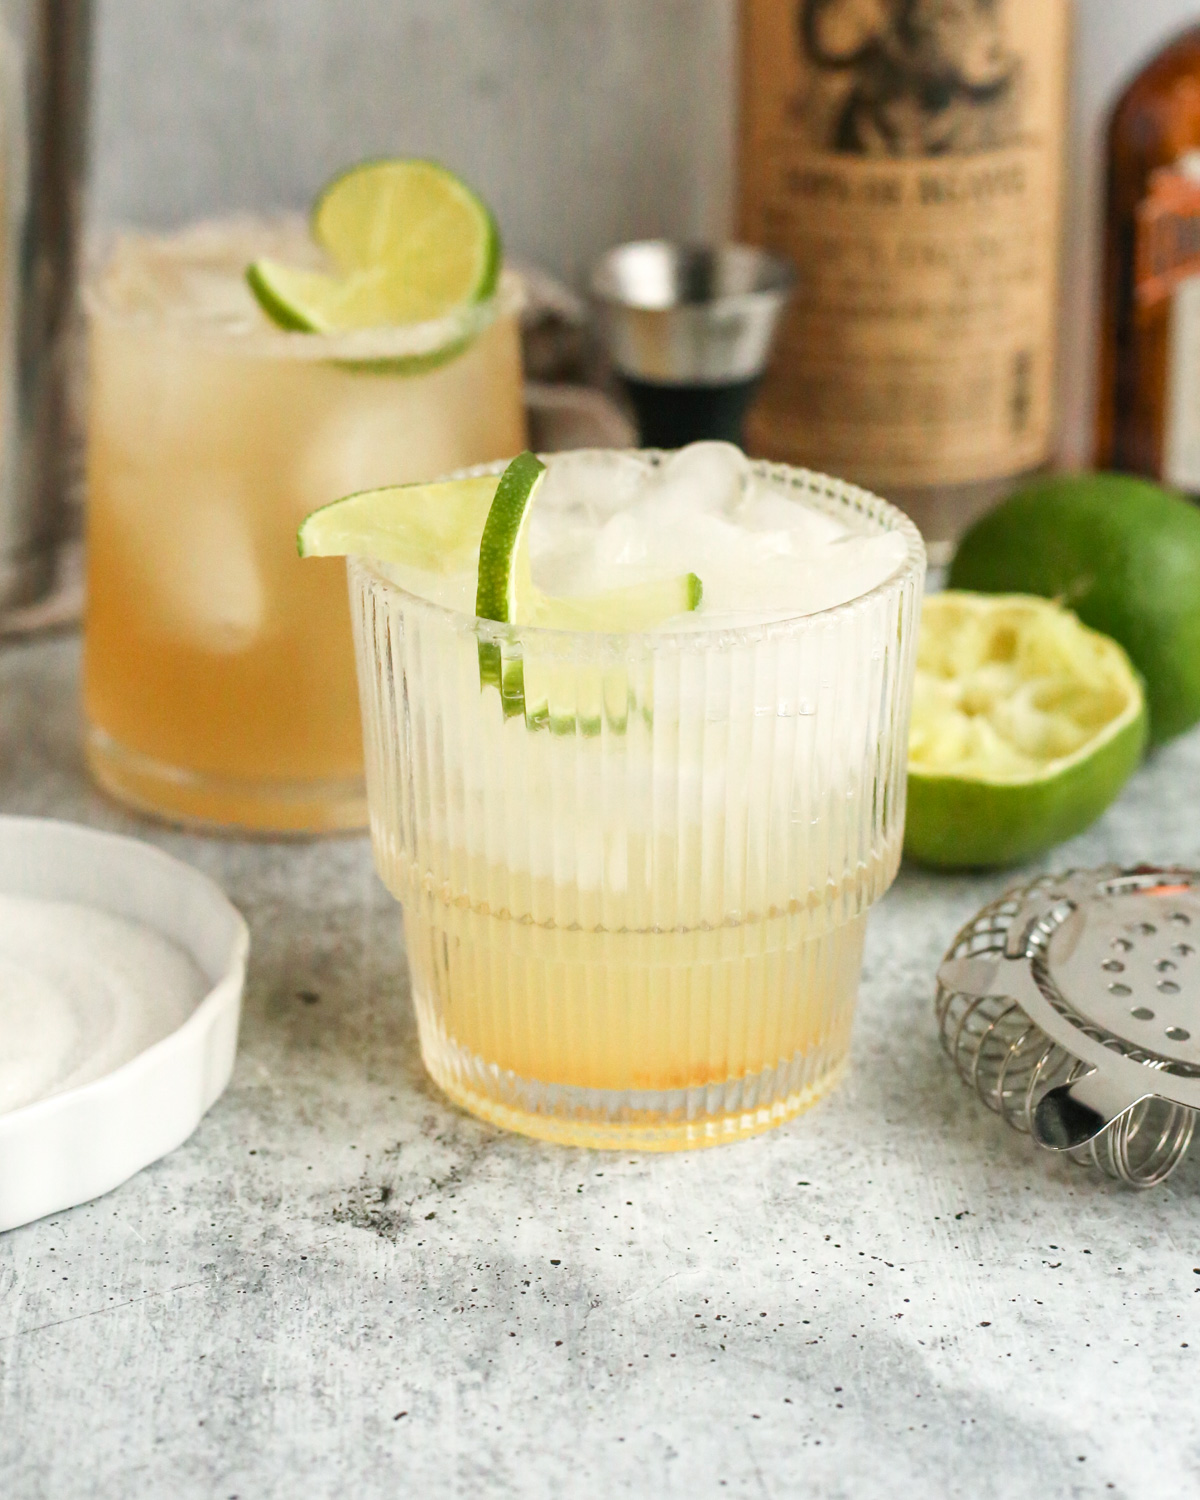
689,330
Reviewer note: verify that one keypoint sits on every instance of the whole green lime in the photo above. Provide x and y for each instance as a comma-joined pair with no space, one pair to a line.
1124,554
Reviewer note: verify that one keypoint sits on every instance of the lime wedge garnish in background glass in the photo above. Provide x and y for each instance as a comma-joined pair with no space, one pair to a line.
1025,726
409,241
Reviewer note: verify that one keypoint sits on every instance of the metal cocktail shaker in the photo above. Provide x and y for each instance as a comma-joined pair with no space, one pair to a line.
44,56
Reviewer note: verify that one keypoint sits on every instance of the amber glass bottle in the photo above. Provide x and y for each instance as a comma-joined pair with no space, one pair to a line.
1149,388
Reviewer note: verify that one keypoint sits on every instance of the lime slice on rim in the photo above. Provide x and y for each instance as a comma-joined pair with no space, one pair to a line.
411,243
1025,726
507,593
557,694
435,527
442,528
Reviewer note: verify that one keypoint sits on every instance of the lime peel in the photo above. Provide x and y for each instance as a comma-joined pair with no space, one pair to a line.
507,594
1026,725
505,576
575,699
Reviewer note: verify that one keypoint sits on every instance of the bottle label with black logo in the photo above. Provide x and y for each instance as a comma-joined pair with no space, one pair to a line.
908,156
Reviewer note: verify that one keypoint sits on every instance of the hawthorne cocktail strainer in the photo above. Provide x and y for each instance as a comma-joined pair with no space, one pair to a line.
1072,1007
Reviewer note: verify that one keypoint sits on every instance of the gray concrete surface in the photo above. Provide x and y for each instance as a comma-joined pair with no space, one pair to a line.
341,1286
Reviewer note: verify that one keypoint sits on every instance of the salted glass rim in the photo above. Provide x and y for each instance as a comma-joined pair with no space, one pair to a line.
845,497
207,239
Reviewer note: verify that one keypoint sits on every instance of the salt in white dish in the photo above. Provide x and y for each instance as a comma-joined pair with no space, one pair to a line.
101,1077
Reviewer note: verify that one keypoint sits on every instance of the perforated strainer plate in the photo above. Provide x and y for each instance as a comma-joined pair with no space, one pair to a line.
1072,1006
1124,963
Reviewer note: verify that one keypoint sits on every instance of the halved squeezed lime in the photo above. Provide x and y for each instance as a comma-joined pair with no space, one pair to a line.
440,527
1025,727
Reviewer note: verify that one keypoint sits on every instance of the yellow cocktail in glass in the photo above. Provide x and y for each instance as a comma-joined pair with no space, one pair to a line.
636,864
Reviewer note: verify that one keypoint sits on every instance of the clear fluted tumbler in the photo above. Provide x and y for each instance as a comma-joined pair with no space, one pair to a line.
636,869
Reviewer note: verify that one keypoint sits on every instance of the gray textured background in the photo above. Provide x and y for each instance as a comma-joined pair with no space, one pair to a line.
584,122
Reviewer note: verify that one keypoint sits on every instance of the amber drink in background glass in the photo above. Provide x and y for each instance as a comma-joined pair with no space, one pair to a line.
219,671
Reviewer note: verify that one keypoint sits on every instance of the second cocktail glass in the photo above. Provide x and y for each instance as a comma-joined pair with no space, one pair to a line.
219,671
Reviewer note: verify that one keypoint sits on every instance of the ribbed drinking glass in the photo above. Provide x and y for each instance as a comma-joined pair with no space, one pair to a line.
636,869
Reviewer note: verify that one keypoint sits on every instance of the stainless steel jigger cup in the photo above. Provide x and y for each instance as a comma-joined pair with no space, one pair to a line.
44,60
689,330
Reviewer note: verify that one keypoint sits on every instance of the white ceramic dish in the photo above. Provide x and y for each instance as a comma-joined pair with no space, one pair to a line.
74,1145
